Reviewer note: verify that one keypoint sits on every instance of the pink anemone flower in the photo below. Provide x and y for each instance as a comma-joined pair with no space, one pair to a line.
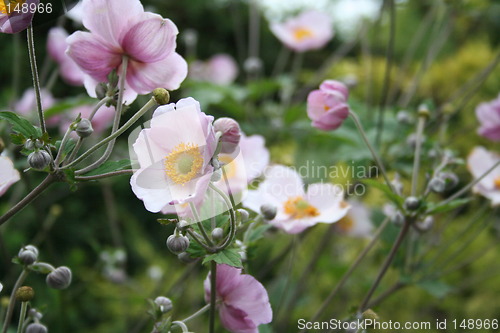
327,107
147,39
310,30
8,174
488,114
174,155
243,301
297,209
479,161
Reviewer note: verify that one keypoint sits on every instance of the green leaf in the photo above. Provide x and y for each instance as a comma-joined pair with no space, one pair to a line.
387,191
195,250
433,208
109,166
68,147
229,257
258,233
437,289
21,125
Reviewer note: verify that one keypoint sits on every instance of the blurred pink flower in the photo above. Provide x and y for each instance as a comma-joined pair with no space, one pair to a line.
327,107
297,209
174,156
122,27
220,69
242,300
56,47
15,20
488,114
8,174
357,222
26,106
101,121
309,30
478,162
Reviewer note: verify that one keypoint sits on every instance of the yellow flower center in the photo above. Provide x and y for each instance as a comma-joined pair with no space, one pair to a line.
183,163
6,9
346,223
302,33
497,182
298,208
228,165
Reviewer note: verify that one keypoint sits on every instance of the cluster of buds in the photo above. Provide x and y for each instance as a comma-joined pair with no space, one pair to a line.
39,158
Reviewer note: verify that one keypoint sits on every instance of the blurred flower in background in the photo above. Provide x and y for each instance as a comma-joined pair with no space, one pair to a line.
220,69
327,107
357,222
479,161
13,18
488,114
102,119
26,106
56,47
8,175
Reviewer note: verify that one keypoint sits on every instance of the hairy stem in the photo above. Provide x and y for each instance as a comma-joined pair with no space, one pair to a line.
34,74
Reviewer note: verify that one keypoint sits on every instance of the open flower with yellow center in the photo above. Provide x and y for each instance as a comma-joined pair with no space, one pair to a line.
310,30
478,162
357,222
297,209
12,17
174,156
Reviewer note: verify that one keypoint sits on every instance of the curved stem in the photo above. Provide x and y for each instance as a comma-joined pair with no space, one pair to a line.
34,74
200,225
232,226
12,299
377,159
351,269
197,313
63,144
385,266
213,292
199,241
116,134
29,198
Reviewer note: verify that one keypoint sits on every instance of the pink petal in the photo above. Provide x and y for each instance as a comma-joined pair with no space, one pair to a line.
255,155
9,175
56,43
236,320
110,20
92,55
151,39
167,73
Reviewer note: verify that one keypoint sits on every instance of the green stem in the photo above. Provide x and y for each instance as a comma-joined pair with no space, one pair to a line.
197,313
386,265
416,160
232,226
199,241
151,103
34,74
377,159
200,225
63,144
349,272
213,293
105,175
22,315
12,300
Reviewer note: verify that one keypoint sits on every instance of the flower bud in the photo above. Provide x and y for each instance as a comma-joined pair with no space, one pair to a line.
101,90
450,180
252,65
84,128
423,111
33,313
29,144
437,185
25,294
60,278
39,160
28,254
161,96
185,258
177,244
36,328
268,211
403,117
370,314
412,203
164,303
230,134
217,234
243,215
425,225
182,224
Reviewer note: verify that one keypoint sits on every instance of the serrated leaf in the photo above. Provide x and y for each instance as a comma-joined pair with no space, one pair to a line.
437,289
387,191
17,138
433,208
229,257
195,250
109,166
21,125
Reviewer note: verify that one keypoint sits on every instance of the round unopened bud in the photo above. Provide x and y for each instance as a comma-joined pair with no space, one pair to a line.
25,294
161,96
404,117
101,90
28,254
39,160
216,175
29,144
84,128
231,134
163,303
437,185
35,314
268,211
243,214
185,258
370,314
412,203
36,328
398,218
423,111
217,234
252,65
450,180
177,244
60,278
425,225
